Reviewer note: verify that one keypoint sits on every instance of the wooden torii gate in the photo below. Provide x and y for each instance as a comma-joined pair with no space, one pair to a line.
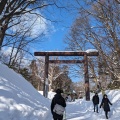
67,53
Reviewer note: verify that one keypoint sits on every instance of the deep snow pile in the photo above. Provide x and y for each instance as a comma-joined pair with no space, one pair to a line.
18,99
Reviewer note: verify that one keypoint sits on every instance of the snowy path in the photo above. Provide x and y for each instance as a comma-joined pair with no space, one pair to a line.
83,110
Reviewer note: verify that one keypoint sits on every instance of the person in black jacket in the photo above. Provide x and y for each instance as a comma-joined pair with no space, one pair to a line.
57,99
95,100
105,104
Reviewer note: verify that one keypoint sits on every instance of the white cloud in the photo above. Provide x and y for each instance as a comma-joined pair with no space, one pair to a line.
36,24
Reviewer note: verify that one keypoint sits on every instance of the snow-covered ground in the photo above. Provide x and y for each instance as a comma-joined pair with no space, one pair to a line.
20,101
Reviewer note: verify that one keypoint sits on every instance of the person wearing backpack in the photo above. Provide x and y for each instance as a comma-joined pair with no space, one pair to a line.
95,101
58,105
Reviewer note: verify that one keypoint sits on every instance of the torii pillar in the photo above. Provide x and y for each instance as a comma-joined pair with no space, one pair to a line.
46,82
86,77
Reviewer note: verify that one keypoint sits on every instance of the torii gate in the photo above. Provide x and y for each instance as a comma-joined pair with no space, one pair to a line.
67,53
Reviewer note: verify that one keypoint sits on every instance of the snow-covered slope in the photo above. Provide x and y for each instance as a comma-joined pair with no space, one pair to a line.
19,100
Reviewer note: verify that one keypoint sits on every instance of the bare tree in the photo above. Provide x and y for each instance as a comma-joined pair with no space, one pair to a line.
118,1
98,27
11,8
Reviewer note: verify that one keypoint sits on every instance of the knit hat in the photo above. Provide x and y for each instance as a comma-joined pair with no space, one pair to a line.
58,91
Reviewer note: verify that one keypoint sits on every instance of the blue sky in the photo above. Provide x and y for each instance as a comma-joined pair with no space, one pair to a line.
64,20
55,42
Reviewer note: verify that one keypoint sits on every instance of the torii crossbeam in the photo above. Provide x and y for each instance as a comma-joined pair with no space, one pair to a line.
67,53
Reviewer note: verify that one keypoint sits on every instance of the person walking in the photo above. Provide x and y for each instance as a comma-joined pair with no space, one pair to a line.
105,104
58,105
95,101
69,99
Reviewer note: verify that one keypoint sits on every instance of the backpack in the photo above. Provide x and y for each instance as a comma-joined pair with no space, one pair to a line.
58,109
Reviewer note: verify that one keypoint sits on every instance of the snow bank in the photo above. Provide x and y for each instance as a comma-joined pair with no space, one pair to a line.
19,100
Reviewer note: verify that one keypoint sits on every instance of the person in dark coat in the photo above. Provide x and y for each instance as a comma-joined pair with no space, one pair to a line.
105,104
57,99
95,101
